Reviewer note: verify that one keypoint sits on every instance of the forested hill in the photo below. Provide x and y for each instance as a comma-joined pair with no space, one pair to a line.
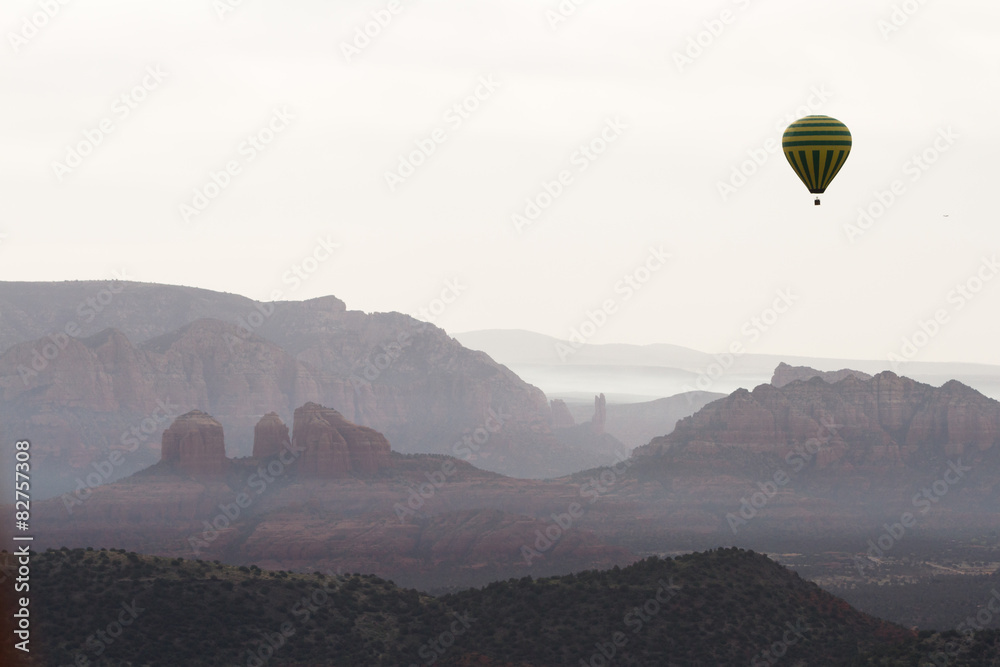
727,606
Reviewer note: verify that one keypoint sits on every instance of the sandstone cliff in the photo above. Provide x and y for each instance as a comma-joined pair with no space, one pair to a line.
194,443
270,435
334,446
882,422
407,379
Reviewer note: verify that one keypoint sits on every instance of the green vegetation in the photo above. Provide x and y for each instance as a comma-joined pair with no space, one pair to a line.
722,607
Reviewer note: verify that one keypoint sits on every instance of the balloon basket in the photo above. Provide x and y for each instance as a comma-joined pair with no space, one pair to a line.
816,203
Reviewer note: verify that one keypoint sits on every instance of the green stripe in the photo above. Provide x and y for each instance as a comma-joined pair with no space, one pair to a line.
818,144
798,170
839,133
841,158
803,162
824,178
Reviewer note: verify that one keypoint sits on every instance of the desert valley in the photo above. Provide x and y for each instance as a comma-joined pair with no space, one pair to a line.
332,441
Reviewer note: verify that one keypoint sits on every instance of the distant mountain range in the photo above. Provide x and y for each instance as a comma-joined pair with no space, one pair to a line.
809,461
637,373
92,367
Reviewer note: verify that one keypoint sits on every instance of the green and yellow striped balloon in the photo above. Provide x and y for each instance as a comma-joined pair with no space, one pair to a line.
816,147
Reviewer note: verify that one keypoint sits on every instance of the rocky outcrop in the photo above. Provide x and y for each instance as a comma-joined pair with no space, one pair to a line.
635,424
785,374
404,378
600,414
333,446
561,417
270,435
194,443
882,422
590,444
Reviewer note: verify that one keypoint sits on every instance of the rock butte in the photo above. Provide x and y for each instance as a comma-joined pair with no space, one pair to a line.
194,443
332,446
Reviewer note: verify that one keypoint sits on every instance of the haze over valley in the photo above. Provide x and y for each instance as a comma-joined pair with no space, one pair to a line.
520,333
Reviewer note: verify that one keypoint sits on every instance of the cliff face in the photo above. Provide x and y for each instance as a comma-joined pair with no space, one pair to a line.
881,422
561,417
194,443
333,446
80,397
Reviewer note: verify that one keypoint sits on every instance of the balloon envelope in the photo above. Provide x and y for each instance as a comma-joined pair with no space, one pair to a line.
816,147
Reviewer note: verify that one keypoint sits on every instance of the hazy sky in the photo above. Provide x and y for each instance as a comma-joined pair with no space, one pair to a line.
329,123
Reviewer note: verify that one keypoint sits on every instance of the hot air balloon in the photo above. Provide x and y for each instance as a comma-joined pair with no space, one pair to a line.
816,147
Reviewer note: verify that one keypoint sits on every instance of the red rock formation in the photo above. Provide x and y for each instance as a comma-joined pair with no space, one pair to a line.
333,446
406,379
269,436
785,374
561,417
194,443
881,422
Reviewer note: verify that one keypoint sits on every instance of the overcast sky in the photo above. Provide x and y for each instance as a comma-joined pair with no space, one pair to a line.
678,119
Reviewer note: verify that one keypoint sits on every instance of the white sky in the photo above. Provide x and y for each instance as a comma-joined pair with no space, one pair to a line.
655,186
